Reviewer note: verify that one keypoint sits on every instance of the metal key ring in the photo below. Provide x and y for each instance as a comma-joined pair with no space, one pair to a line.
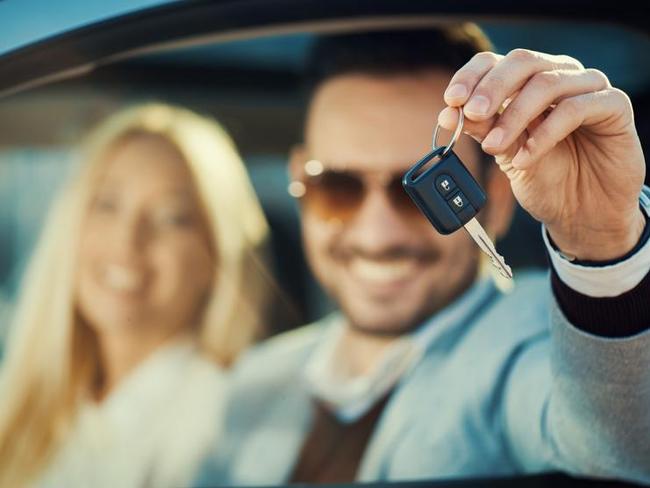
454,137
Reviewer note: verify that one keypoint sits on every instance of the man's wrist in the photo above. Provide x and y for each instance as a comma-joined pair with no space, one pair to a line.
605,278
599,246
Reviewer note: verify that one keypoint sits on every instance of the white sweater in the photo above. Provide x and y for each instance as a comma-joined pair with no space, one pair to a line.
153,430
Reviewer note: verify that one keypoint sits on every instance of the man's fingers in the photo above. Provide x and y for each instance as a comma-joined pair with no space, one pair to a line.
464,80
506,76
448,119
588,109
542,91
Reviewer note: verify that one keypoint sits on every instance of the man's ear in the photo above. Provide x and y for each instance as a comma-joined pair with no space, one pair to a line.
297,158
501,202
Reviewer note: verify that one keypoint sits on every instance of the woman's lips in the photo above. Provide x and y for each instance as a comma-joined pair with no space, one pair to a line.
122,279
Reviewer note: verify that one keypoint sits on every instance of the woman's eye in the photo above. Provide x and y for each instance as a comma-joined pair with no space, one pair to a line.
105,204
179,220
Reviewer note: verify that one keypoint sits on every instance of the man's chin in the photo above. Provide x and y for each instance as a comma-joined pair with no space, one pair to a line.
384,322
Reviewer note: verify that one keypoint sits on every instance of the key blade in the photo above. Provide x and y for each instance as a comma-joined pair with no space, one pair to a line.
476,230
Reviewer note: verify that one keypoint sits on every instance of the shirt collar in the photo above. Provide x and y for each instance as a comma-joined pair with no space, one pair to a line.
351,398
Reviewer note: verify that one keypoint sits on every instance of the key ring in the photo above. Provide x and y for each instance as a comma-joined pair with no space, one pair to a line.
454,137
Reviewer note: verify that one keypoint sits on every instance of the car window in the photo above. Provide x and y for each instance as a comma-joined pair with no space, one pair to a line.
254,88
28,22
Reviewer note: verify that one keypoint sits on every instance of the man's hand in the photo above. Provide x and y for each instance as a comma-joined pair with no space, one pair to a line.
567,141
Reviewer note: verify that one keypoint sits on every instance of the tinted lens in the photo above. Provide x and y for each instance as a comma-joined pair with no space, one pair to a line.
401,200
334,195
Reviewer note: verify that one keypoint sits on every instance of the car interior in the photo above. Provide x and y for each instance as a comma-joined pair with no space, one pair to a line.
247,75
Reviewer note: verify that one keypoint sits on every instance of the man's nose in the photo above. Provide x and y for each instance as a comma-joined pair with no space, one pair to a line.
378,226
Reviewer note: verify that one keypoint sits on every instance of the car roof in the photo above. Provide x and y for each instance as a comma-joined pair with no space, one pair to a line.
30,21
97,34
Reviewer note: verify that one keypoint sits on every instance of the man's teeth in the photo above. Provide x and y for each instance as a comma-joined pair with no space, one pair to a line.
122,279
383,271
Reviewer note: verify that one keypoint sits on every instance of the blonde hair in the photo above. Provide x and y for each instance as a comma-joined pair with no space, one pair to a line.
51,358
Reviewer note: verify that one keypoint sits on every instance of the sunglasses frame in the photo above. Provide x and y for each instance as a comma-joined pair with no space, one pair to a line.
313,169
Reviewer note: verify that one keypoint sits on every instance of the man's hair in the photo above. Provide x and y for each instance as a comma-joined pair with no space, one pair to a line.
393,52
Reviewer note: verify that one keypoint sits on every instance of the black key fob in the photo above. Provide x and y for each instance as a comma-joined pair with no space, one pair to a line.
446,192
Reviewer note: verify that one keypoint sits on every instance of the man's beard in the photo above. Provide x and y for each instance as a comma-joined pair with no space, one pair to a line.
420,317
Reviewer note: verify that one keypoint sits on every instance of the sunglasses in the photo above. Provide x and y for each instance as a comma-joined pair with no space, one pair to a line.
337,195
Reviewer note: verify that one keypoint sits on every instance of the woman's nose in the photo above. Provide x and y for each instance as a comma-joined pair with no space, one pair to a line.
130,236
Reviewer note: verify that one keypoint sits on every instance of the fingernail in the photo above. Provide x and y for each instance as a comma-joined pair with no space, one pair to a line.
494,138
456,91
478,105
447,114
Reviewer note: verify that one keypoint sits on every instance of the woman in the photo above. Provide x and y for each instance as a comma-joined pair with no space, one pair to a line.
147,282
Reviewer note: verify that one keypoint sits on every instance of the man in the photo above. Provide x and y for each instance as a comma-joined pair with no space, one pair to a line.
428,371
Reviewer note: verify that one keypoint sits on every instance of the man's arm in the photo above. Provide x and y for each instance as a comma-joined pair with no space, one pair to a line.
587,412
567,142
598,419
620,316
611,298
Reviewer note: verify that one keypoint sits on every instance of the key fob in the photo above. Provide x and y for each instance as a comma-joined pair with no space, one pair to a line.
446,192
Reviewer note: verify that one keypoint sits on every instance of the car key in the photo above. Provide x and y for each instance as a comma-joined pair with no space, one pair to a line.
450,197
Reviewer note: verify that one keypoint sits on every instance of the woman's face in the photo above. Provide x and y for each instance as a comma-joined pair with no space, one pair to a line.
145,259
